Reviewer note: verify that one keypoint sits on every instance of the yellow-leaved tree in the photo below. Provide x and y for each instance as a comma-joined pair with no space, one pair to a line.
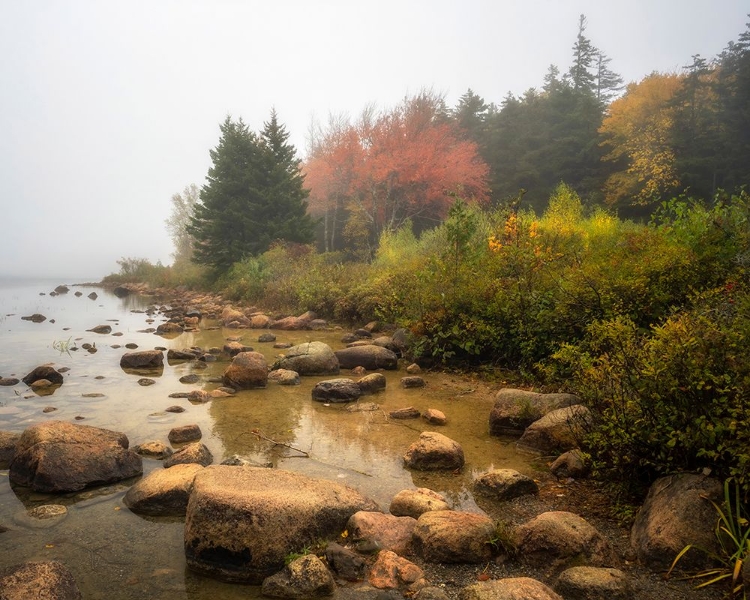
637,131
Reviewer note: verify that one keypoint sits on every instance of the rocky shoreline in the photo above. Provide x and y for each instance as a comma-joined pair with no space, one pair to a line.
544,538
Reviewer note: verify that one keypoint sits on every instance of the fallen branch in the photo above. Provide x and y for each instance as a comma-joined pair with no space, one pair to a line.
257,433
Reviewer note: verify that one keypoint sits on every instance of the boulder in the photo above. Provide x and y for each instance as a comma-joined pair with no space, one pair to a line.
121,291
434,417
557,431
593,583
62,289
284,377
64,457
175,355
434,451
194,453
242,521
677,512
154,449
512,588
372,383
386,532
414,503
185,433
569,464
291,323
43,372
336,390
248,370
266,337
234,348
49,580
563,539
101,329
304,577
514,410
93,296
347,564
412,381
505,484
447,536
8,381
163,492
311,358
145,359
370,357
169,328
231,317
390,571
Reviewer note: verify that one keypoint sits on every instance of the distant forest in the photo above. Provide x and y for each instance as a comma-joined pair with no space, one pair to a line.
621,147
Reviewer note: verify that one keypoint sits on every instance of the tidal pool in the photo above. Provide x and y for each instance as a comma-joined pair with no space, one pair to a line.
115,554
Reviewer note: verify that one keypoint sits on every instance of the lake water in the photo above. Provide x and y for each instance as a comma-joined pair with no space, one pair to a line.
115,554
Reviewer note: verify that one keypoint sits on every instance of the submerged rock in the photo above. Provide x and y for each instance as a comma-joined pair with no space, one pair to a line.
50,580
433,452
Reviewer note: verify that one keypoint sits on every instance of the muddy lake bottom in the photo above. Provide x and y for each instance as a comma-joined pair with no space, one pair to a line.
115,554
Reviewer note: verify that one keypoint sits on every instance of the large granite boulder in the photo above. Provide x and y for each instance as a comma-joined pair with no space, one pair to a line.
447,536
434,452
512,588
163,492
311,358
8,442
514,410
50,580
677,512
557,431
64,457
242,521
370,357
562,539
248,370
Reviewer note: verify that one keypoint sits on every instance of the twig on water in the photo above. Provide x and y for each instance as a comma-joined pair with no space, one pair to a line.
257,433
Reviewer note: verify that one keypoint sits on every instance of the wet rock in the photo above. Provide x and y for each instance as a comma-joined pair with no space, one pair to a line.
370,357
514,410
145,359
93,296
593,583
248,370
677,512
169,328
505,484
64,457
195,453
433,452
8,381
164,492
291,324
153,449
131,346
336,390
372,383
191,378
284,345
284,377
266,337
347,564
177,355
196,396
570,464
563,539
434,417
413,369
391,571
50,580
386,532
62,289
185,433
304,577
260,321
447,536
412,381
145,382
40,384
234,348
242,461
121,291
414,503
101,329
512,588
233,318
242,521
174,409
557,431
35,318
312,358
49,409
8,442
405,413
43,372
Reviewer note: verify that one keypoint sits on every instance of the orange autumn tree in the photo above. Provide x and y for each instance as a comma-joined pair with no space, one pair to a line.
638,131
391,167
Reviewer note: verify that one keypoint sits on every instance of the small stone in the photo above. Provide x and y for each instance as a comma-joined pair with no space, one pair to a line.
412,381
49,409
405,413
145,381
174,409
191,378
413,369
434,416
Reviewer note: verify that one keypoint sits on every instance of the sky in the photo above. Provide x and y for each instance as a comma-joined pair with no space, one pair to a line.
107,109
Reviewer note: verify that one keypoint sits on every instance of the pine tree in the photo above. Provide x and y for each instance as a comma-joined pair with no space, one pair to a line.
608,84
584,59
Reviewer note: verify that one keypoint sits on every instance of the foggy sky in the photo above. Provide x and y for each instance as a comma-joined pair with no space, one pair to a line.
109,108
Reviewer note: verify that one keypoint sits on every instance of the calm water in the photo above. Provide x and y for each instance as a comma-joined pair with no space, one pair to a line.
115,554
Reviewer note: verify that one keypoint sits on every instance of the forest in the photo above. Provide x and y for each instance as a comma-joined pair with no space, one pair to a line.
587,236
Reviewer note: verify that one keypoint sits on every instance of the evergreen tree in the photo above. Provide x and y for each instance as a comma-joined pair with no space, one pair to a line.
471,116
253,196
608,84
584,60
